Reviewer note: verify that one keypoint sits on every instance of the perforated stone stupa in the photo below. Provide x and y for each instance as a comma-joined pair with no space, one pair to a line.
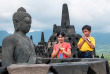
41,47
71,36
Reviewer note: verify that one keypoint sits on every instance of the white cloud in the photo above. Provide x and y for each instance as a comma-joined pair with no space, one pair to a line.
48,12
7,27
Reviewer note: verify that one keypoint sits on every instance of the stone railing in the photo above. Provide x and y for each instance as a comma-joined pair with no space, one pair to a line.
62,66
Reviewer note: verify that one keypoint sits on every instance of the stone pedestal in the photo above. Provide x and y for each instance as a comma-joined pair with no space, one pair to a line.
28,69
62,66
69,68
97,67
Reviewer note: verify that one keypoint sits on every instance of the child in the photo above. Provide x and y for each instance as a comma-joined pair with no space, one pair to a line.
86,44
62,49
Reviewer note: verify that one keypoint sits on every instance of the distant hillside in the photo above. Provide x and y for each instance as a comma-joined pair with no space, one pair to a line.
103,49
36,35
3,34
101,38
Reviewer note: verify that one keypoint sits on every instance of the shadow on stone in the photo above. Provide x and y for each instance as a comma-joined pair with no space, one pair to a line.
91,71
53,70
107,67
3,70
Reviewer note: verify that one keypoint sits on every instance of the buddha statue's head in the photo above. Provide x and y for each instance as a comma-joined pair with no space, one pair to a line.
22,21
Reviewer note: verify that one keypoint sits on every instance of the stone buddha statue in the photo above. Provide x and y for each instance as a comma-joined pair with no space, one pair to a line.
18,48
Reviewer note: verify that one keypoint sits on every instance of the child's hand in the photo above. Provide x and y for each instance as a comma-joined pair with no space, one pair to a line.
84,37
59,46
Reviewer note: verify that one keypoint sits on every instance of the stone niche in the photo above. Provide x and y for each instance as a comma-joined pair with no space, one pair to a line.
63,66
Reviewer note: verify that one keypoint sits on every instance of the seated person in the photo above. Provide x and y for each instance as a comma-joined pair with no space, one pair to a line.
61,49
86,44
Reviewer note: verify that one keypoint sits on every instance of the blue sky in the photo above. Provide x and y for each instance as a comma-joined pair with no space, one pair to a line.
45,13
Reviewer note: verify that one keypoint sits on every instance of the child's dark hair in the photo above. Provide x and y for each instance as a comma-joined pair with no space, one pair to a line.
61,33
86,27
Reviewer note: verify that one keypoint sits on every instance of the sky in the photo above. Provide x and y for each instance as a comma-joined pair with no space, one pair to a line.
46,13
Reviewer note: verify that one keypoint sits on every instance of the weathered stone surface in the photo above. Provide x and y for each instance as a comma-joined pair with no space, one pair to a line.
28,69
59,60
50,73
92,59
72,60
18,48
56,60
69,68
96,66
63,66
45,60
